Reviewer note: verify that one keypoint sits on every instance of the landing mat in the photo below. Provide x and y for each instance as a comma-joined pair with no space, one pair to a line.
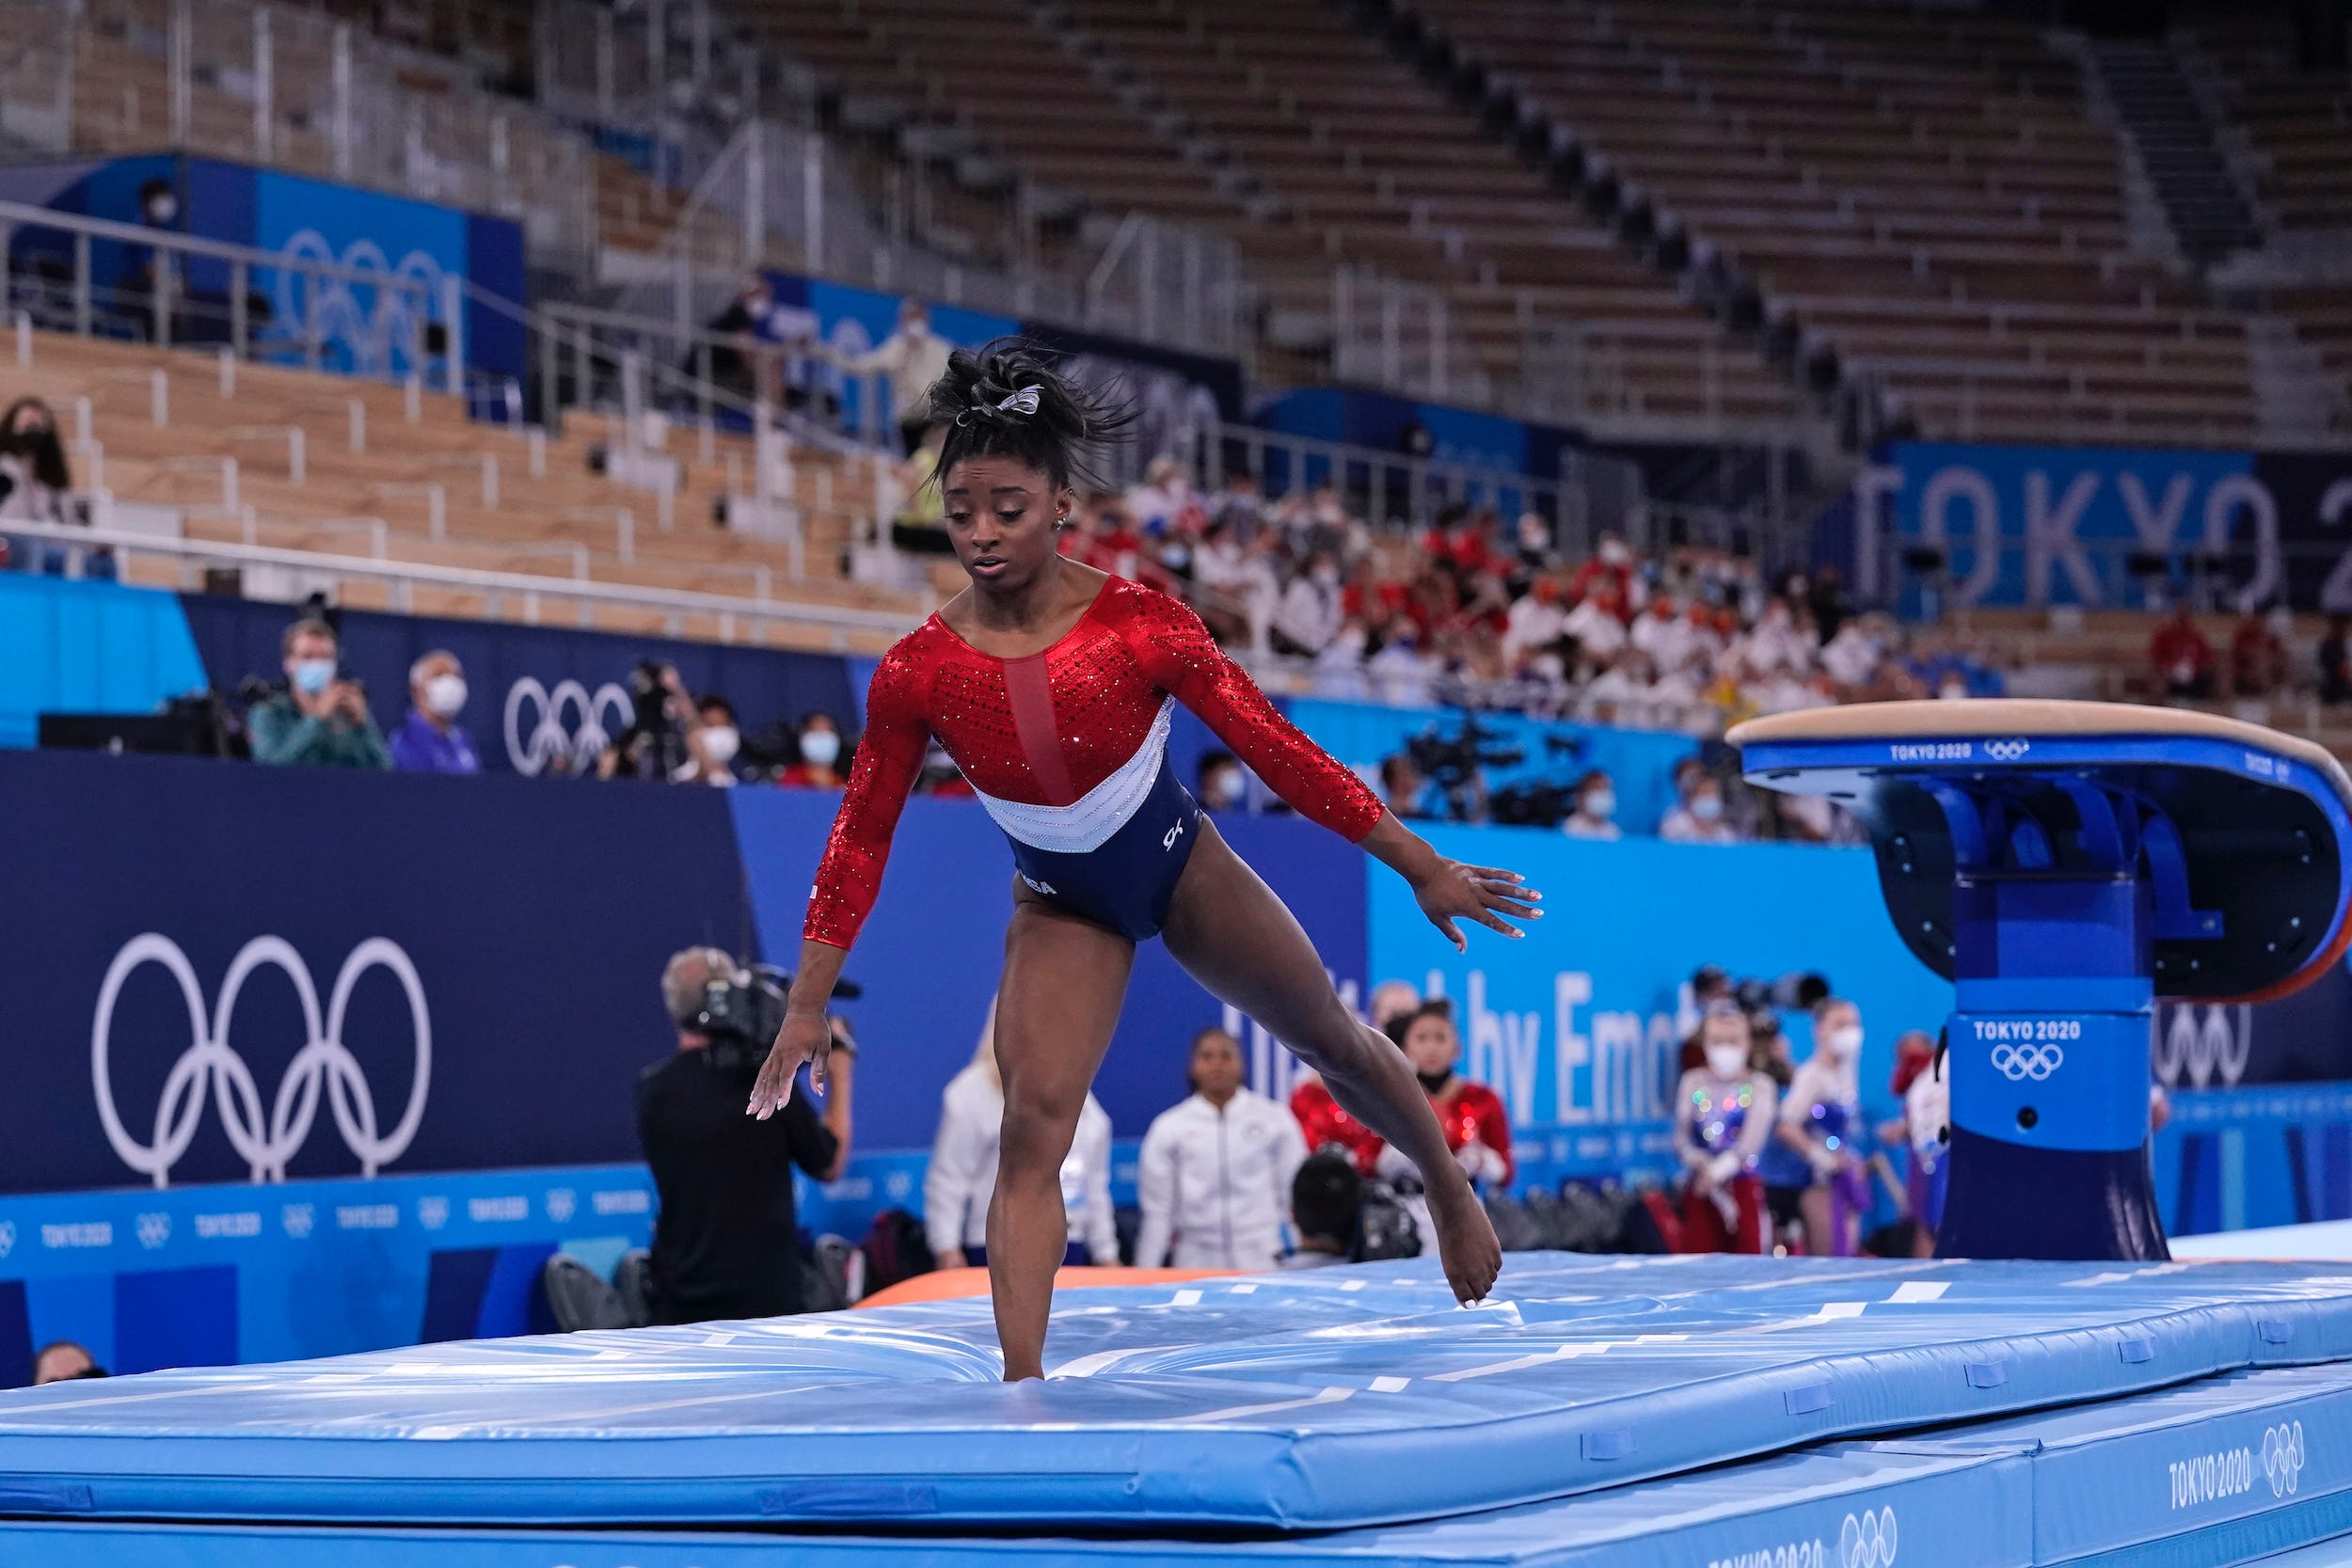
2224,1470
1333,1399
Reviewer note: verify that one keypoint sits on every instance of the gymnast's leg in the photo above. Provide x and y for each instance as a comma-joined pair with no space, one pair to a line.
1064,980
1231,932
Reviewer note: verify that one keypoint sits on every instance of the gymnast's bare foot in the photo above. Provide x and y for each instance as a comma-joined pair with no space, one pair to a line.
1466,1240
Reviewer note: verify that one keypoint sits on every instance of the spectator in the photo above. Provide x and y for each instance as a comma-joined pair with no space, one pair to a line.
2335,661
1324,1126
1699,816
2181,658
1326,1194
2257,653
725,1244
63,1361
1709,983
1817,1173
914,358
1724,1116
711,745
1612,564
1535,621
1238,508
1399,674
1476,1127
1166,502
962,1175
746,363
1223,786
1598,623
1214,1179
818,766
319,719
35,480
1307,616
1402,786
430,741
1596,812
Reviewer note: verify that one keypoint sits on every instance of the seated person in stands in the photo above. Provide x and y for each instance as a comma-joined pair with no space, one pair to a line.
319,718
2257,653
2335,661
1401,787
1724,1116
35,484
819,767
1325,1195
430,741
961,1182
711,745
2181,658
1214,1178
1223,788
1813,1169
1596,812
1699,816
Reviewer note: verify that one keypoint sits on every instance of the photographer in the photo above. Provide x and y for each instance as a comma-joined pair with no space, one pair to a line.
725,1244
669,735
319,719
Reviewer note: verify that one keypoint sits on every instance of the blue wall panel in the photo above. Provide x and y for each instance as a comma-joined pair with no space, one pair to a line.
88,647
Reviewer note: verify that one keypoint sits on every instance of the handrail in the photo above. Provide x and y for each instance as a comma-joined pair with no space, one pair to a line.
15,213
837,620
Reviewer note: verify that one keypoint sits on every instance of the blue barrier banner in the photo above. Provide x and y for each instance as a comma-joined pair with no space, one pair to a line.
2027,525
541,699
214,1274
1578,1025
1641,763
220,972
88,647
2230,1159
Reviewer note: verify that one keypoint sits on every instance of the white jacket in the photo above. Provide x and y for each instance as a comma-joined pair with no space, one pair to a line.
962,1173
1217,1183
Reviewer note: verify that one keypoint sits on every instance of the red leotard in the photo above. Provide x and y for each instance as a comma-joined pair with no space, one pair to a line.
1326,1125
1473,1112
1052,740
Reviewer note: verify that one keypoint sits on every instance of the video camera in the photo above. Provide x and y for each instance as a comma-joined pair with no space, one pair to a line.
1453,764
742,1012
1796,990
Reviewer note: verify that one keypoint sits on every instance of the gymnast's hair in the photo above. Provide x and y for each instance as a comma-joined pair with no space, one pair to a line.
1006,400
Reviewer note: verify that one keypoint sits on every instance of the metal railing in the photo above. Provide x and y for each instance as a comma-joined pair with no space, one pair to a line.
531,592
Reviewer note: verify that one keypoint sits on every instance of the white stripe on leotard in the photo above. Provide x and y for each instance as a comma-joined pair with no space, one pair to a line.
1089,822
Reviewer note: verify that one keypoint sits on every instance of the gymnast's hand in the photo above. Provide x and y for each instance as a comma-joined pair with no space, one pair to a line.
1450,891
805,1038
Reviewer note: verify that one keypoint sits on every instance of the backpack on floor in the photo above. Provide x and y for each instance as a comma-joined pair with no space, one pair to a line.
896,1249
1385,1229
579,1298
1514,1227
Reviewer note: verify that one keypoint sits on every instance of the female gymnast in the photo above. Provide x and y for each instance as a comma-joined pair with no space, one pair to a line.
1050,684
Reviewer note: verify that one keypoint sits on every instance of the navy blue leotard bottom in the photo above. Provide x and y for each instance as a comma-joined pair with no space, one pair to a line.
1127,882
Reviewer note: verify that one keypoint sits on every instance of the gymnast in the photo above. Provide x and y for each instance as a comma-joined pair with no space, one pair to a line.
1050,684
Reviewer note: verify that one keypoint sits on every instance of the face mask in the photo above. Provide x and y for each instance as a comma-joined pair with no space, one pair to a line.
821,748
1600,804
163,209
758,309
1225,789
444,695
1615,553
1953,691
311,674
720,742
1434,1082
1327,577
1707,808
1727,1061
1844,1043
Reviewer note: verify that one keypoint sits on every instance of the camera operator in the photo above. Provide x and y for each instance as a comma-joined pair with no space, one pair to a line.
725,1244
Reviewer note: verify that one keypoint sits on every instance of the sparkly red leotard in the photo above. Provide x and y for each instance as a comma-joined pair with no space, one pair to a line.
1063,745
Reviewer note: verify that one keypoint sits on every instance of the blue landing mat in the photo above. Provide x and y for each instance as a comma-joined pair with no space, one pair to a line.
2224,1470
1334,1399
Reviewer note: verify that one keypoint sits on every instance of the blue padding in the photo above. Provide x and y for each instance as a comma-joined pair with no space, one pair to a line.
2219,1471
1336,1398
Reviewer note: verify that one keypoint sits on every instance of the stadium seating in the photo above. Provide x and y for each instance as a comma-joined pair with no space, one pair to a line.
1301,137
1924,194
496,514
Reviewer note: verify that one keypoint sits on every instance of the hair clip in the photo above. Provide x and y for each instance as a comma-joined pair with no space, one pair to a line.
1023,402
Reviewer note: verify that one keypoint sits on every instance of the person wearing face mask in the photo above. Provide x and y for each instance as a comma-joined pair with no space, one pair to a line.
819,767
1596,812
1308,617
1222,787
1725,1113
319,719
2181,658
35,483
1477,1128
711,745
1699,818
1817,1174
430,741
1213,1180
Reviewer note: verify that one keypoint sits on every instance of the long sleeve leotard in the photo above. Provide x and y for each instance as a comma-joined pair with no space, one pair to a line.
1061,745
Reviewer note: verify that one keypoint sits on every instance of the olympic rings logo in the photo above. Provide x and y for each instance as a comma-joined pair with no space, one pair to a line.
2283,1458
550,739
1868,1541
375,332
2007,750
323,1063
2018,1063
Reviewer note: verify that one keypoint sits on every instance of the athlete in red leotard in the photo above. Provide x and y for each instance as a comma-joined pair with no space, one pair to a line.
1050,683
